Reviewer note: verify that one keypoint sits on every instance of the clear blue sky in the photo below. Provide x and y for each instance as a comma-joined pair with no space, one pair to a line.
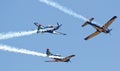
100,53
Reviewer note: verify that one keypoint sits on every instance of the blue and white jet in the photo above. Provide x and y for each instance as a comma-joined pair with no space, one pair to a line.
48,29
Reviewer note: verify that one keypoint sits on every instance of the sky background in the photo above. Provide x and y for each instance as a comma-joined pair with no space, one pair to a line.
101,53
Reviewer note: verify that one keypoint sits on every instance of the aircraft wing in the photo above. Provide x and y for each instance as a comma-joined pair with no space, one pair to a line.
92,35
50,61
55,60
109,22
59,33
68,57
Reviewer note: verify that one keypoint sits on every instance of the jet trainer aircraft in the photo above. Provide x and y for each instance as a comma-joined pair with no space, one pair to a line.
59,59
99,29
48,29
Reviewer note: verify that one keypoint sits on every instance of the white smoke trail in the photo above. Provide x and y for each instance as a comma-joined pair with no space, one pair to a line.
24,51
63,9
4,36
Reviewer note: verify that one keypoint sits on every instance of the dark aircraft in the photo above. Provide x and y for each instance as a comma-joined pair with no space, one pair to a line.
65,59
48,29
99,29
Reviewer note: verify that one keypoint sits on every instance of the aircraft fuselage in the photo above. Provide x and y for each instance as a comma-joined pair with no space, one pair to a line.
100,29
62,60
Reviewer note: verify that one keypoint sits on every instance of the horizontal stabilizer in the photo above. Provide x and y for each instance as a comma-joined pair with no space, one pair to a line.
36,23
87,22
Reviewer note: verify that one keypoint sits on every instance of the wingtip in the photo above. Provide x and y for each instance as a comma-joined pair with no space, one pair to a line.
115,16
92,18
35,23
64,34
82,26
86,38
73,55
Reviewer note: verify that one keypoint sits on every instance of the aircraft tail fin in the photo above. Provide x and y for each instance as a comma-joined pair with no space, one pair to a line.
48,52
87,22
59,24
